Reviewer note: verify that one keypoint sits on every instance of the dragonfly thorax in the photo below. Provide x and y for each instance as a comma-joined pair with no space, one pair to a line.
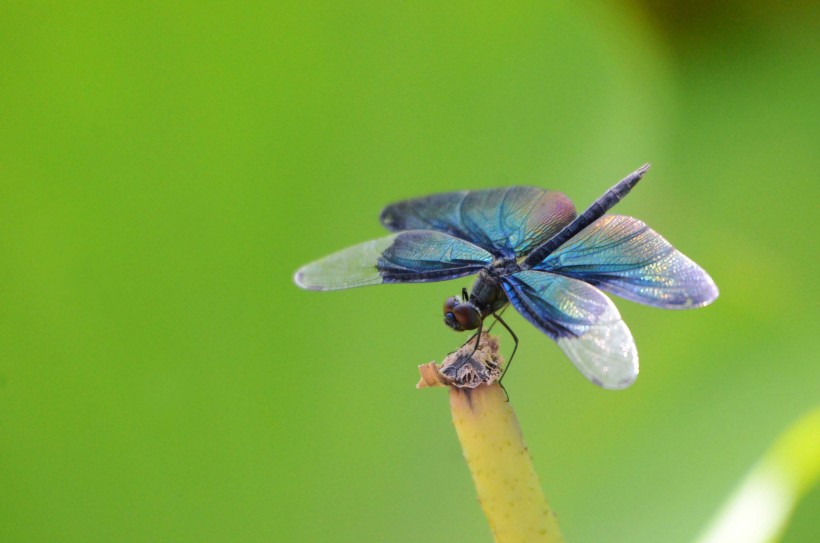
487,294
486,297
501,267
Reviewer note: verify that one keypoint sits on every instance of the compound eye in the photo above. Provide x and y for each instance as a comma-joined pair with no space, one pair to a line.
450,304
467,316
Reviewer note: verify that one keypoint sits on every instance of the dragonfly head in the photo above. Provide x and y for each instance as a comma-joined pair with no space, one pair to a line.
461,315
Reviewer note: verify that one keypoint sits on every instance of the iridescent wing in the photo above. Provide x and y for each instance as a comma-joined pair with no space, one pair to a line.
415,256
623,256
507,222
581,320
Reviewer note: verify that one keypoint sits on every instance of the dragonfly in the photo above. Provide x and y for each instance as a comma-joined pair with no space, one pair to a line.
530,250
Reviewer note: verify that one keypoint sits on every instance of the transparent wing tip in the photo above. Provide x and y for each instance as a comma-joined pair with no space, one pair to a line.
303,280
606,356
624,382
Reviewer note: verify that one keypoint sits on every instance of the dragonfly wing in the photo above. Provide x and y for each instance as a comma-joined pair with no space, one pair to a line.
507,222
622,255
414,256
583,322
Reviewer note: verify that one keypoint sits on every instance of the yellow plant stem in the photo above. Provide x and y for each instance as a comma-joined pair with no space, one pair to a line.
507,485
505,479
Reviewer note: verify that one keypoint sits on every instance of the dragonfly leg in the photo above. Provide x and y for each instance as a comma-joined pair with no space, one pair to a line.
506,395
503,309
515,339
477,337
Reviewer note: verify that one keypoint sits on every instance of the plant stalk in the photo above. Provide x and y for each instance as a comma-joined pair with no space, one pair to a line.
508,488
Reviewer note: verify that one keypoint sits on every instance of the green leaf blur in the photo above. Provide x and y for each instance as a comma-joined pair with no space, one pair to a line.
165,168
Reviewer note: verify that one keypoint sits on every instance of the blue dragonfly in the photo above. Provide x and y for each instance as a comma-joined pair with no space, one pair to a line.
529,250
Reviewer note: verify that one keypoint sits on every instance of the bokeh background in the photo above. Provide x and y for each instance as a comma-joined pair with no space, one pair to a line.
165,167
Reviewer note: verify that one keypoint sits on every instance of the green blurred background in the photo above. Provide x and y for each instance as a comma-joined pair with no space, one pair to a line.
164,169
